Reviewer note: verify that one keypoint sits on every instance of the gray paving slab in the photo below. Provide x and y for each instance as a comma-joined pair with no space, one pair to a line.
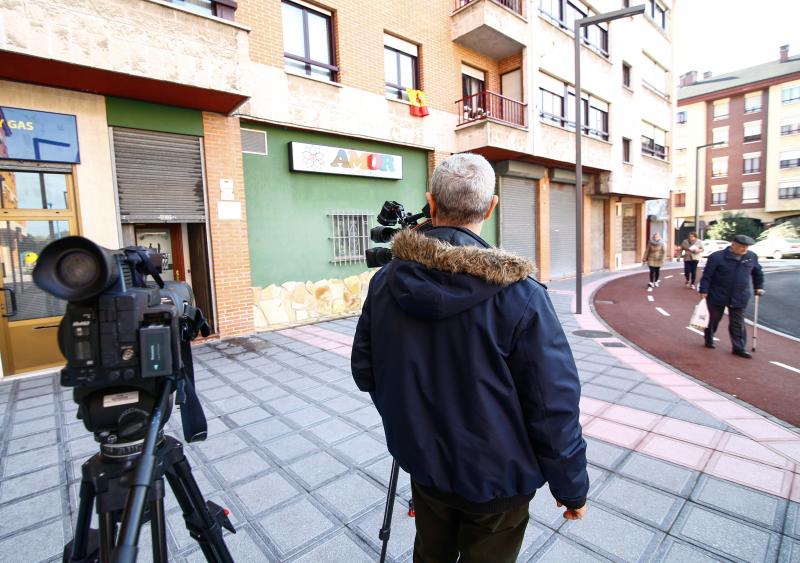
366,417
543,509
536,535
35,412
267,430
245,547
38,544
261,494
360,449
307,416
741,502
290,447
618,383
297,525
648,404
349,496
32,442
30,483
790,551
559,550
660,474
31,460
645,504
792,526
687,412
601,392
333,430
248,416
338,549
656,392
316,469
603,454
614,536
221,446
674,551
726,536
33,510
240,466
403,530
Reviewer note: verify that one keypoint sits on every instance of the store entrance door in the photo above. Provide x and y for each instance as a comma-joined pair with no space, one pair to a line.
36,210
166,239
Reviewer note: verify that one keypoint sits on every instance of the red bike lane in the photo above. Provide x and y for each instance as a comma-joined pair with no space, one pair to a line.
623,303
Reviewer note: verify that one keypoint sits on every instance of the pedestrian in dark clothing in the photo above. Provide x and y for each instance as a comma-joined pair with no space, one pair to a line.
654,258
469,368
726,283
692,252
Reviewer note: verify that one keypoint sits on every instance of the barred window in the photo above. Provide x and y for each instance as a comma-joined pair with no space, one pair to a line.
349,236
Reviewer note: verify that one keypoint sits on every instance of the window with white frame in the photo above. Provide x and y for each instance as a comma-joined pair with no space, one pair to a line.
681,117
349,236
790,126
750,192
719,167
563,14
719,195
721,109
790,94
655,76
789,190
790,159
752,102
400,67
719,135
654,141
752,131
752,163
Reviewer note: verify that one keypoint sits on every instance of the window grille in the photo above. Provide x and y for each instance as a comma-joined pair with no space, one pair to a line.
349,236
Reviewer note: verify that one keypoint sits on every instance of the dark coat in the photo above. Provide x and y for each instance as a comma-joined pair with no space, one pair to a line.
726,280
470,371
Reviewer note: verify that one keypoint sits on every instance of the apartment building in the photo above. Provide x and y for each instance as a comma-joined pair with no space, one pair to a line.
752,119
255,141
330,78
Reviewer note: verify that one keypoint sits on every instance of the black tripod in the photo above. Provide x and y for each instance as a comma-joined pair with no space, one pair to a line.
128,495
386,529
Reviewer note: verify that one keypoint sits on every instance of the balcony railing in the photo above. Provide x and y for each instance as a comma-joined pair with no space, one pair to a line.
513,5
488,105
651,148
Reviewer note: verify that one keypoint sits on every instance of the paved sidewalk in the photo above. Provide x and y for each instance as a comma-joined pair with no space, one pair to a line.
679,472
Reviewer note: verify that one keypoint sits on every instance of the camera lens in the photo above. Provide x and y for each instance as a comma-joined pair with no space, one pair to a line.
78,269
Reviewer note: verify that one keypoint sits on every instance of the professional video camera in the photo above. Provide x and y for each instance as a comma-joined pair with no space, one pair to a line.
127,346
391,214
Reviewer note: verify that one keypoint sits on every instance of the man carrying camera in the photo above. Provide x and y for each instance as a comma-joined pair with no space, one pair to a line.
469,368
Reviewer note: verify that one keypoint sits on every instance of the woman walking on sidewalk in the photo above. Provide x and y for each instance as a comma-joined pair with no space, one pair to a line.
692,252
654,258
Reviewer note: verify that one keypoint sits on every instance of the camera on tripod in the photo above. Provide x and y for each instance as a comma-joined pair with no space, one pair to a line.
391,214
127,346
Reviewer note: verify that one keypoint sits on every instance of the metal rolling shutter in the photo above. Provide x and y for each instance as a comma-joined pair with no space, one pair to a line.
562,230
598,234
518,216
159,177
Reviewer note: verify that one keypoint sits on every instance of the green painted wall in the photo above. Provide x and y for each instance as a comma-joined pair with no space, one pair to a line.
121,112
489,231
287,213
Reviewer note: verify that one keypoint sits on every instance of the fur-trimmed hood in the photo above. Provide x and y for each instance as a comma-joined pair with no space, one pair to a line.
431,278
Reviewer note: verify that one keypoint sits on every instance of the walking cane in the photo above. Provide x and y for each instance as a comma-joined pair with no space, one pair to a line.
755,323
386,529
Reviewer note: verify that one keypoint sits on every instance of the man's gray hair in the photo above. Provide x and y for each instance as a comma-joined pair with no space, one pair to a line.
463,187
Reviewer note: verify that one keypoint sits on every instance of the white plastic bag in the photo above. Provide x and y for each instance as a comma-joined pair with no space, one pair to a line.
700,316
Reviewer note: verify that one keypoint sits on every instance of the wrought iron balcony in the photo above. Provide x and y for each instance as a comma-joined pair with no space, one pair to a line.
488,105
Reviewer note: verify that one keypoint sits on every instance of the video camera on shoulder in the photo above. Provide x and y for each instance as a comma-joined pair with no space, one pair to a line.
120,336
391,214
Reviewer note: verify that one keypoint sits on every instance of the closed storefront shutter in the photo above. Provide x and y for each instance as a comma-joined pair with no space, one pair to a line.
159,177
518,216
598,235
562,230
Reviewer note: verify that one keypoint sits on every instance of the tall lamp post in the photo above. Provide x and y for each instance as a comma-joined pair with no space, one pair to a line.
579,24
697,184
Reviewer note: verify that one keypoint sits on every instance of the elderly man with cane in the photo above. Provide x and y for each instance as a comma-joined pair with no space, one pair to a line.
726,283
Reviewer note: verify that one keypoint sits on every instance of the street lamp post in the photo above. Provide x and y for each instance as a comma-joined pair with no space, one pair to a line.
580,23
697,185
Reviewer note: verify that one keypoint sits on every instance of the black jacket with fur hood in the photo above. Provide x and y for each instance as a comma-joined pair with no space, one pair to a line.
469,368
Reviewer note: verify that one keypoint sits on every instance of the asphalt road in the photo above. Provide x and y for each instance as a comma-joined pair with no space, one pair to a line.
770,380
779,308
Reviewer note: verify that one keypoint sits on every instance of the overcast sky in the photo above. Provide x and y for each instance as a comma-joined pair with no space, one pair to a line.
726,35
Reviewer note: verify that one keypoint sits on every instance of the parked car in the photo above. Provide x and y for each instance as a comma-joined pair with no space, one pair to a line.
775,247
711,245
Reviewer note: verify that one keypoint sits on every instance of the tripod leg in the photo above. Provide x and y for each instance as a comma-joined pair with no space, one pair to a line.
158,525
108,530
204,528
386,530
81,541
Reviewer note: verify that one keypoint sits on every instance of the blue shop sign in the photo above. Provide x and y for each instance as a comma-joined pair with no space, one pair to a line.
26,134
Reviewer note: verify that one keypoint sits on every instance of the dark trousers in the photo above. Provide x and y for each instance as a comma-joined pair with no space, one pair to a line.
736,328
655,271
446,534
690,271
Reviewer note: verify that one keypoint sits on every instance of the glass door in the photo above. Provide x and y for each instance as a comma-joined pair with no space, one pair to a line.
36,210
